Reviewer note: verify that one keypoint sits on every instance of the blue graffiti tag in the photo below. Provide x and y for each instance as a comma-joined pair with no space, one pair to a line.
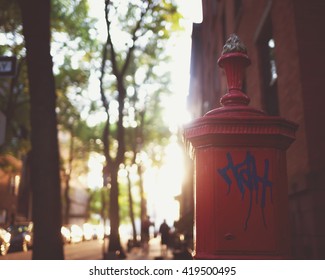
246,177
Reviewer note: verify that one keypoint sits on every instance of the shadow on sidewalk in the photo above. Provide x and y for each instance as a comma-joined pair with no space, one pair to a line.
152,253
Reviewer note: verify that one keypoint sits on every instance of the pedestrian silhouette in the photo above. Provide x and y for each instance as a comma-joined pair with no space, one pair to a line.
145,236
164,231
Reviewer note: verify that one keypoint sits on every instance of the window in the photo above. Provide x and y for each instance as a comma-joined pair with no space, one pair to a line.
273,71
268,68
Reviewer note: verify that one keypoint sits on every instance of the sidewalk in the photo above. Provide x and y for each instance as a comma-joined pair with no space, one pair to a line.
153,253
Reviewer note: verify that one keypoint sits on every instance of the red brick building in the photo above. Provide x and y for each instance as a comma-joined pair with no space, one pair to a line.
285,40
9,188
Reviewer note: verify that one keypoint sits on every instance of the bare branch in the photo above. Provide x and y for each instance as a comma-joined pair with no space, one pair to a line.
109,39
134,36
106,132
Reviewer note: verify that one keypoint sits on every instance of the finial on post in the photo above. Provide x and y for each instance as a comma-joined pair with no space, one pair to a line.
234,60
233,44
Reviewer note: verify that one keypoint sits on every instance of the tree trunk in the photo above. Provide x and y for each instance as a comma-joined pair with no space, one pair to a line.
115,249
45,175
131,212
67,179
143,202
67,200
24,193
115,242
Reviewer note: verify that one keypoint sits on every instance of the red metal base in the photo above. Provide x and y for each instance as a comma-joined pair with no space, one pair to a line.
204,256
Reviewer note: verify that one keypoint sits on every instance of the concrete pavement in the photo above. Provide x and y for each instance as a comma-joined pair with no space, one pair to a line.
152,253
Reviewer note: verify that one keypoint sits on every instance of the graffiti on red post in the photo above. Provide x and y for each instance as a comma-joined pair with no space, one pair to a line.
247,179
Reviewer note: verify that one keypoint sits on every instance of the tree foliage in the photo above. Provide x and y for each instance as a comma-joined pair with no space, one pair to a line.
70,36
70,25
131,85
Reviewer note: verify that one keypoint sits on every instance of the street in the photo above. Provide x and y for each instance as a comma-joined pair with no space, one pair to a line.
92,250
87,250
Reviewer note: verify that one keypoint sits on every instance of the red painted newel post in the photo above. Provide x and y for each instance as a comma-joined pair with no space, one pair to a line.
234,65
241,196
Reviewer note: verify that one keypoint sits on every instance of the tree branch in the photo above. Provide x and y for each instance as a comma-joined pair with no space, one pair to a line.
106,132
135,37
109,40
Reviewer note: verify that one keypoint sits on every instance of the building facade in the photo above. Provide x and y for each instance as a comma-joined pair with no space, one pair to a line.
10,176
285,40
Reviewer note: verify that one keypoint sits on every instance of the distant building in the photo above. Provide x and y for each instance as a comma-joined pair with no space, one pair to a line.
10,170
286,44
79,199
16,191
77,192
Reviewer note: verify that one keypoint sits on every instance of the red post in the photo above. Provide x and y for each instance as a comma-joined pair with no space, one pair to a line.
241,196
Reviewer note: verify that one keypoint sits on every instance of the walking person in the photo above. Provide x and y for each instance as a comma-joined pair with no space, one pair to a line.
145,234
164,231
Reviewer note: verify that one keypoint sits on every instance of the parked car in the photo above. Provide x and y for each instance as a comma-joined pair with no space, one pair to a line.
98,232
21,236
88,232
4,241
76,233
66,234
72,234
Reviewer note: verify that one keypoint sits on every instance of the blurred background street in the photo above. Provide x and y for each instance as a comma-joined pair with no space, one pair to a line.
93,250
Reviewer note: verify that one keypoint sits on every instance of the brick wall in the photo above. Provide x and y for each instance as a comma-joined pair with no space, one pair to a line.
298,32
